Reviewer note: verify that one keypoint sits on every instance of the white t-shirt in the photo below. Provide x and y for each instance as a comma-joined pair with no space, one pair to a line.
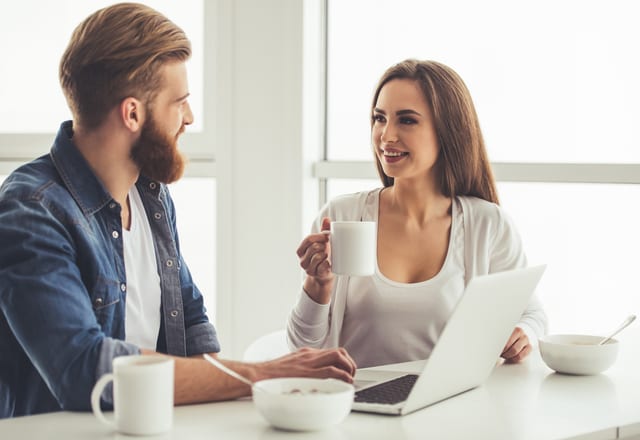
380,309
142,316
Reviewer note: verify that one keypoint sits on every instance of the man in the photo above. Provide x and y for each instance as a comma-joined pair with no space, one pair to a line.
90,267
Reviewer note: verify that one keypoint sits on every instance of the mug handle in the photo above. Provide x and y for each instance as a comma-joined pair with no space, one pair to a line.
95,398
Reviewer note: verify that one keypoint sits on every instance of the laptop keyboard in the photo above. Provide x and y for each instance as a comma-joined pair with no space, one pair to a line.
392,392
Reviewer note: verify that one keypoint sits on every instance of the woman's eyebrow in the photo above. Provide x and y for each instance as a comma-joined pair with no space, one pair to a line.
408,112
399,112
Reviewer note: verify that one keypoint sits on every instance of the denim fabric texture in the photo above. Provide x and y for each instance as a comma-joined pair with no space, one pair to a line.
63,285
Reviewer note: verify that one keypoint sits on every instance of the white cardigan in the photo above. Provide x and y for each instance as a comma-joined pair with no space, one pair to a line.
491,244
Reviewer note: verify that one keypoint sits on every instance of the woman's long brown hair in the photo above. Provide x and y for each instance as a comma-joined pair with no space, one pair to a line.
463,165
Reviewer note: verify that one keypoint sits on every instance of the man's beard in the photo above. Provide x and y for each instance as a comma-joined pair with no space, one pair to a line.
157,154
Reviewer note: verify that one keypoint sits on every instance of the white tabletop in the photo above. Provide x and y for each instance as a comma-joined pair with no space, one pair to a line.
521,402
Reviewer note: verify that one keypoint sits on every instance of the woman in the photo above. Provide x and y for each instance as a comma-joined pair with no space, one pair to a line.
439,225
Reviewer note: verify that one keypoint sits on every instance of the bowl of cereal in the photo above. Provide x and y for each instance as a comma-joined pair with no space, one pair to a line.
303,404
578,354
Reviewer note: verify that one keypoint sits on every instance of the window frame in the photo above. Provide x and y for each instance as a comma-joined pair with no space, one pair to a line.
548,172
551,172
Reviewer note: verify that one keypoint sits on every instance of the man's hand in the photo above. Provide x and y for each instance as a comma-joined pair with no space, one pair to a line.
196,380
517,347
310,362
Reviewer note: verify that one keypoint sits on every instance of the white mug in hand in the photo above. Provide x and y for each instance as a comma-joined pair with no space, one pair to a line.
353,248
142,394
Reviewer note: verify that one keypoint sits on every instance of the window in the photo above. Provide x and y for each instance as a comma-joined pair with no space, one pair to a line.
551,82
554,86
586,235
30,82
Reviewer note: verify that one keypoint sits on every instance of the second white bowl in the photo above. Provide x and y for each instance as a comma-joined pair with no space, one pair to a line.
578,354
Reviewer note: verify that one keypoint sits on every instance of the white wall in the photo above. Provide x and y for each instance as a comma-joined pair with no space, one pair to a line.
260,165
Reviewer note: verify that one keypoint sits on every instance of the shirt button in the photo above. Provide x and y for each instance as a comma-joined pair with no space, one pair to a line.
169,263
152,185
98,302
174,313
112,205
157,216
123,287
115,234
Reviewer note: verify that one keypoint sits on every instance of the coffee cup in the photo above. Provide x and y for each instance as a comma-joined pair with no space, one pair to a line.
142,395
353,248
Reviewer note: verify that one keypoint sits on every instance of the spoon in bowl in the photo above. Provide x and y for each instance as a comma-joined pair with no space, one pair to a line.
219,365
626,322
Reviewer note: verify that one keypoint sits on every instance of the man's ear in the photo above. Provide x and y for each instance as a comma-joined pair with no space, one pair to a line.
132,113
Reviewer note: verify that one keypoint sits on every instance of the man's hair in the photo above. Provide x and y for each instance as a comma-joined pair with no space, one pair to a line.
115,53
463,165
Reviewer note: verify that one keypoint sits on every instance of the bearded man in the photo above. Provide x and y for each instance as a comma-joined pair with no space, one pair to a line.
90,267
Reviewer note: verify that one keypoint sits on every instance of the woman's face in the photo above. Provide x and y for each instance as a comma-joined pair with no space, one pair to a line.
402,134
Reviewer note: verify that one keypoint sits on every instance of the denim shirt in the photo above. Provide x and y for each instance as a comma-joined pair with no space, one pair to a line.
63,285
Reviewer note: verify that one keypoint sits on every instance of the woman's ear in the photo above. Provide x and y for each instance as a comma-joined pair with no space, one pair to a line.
132,114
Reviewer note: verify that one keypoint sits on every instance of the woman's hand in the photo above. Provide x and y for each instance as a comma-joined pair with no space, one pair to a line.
315,258
517,347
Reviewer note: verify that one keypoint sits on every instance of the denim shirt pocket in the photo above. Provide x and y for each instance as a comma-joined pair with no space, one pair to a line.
107,307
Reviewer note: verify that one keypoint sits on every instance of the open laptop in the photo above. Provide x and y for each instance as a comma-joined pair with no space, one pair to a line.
466,352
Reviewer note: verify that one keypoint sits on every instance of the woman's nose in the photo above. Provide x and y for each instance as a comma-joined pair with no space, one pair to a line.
389,134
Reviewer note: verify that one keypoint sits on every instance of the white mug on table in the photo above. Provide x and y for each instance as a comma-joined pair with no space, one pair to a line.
353,248
142,394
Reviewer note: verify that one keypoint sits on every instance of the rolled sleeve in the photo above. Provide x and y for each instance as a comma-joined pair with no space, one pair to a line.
202,338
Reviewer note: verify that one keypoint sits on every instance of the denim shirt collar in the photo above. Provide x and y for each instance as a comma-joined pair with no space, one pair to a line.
82,183
85,187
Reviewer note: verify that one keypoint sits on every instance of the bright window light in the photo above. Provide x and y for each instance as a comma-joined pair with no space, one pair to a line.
196,219
552,81
32,43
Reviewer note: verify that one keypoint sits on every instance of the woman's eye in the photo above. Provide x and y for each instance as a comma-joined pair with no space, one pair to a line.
378,118
407,121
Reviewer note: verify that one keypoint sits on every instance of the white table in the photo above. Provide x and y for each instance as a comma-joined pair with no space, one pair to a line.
521,402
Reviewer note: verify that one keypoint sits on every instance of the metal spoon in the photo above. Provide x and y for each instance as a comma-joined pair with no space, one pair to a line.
216,363
626,322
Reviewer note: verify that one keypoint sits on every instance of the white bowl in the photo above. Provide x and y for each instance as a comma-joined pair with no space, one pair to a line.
578,354
303,404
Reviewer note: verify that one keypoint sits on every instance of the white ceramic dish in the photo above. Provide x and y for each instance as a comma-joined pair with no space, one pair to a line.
578,354
303,404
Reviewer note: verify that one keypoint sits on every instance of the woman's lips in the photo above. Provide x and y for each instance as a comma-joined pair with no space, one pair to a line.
393,156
